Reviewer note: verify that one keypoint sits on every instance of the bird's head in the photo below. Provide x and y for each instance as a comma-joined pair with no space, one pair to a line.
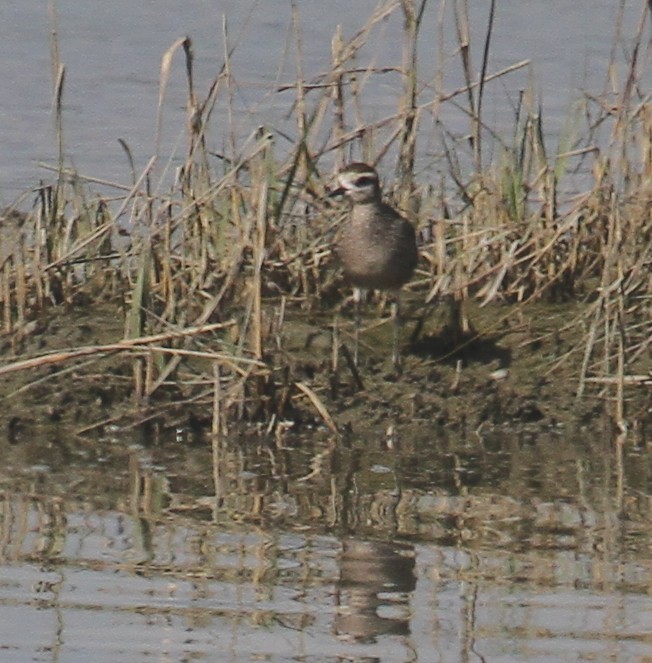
359,182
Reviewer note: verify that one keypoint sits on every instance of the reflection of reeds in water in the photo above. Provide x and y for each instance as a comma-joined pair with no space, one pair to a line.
469,499
136,549
210,272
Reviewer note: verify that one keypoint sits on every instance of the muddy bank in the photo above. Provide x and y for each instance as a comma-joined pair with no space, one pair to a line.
516,368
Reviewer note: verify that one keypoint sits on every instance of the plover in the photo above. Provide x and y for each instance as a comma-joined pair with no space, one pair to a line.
377,246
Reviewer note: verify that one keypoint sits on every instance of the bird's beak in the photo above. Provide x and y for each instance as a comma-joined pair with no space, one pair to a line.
336,193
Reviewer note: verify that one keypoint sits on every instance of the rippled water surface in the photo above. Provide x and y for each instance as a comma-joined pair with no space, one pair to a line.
519,546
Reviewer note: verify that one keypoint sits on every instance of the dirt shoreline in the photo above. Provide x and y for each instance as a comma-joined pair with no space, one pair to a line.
502,378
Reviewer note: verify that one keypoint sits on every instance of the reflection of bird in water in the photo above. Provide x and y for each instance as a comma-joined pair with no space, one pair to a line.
377,246
374,574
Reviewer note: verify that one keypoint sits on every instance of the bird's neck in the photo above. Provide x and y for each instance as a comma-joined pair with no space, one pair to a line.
369,204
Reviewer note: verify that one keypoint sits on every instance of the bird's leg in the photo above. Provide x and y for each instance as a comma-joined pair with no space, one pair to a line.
396,324
357,296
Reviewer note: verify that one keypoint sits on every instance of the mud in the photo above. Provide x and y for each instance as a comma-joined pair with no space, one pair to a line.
512,369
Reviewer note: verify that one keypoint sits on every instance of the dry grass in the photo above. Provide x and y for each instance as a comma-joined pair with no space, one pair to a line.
207,274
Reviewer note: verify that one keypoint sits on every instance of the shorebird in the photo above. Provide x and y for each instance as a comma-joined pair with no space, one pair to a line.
377,246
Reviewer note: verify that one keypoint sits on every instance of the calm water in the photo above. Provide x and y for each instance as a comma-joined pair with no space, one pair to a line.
112,54
521,546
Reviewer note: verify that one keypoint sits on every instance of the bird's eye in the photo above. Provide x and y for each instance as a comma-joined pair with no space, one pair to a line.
365,180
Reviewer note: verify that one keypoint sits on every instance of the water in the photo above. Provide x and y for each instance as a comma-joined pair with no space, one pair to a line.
112,55
519,546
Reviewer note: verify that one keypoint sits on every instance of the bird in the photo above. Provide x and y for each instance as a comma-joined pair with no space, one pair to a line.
377,247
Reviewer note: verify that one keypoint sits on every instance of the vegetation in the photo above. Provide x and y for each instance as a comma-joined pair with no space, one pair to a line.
211,280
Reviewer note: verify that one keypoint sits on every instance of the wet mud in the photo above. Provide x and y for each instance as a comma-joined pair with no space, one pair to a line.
512,366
